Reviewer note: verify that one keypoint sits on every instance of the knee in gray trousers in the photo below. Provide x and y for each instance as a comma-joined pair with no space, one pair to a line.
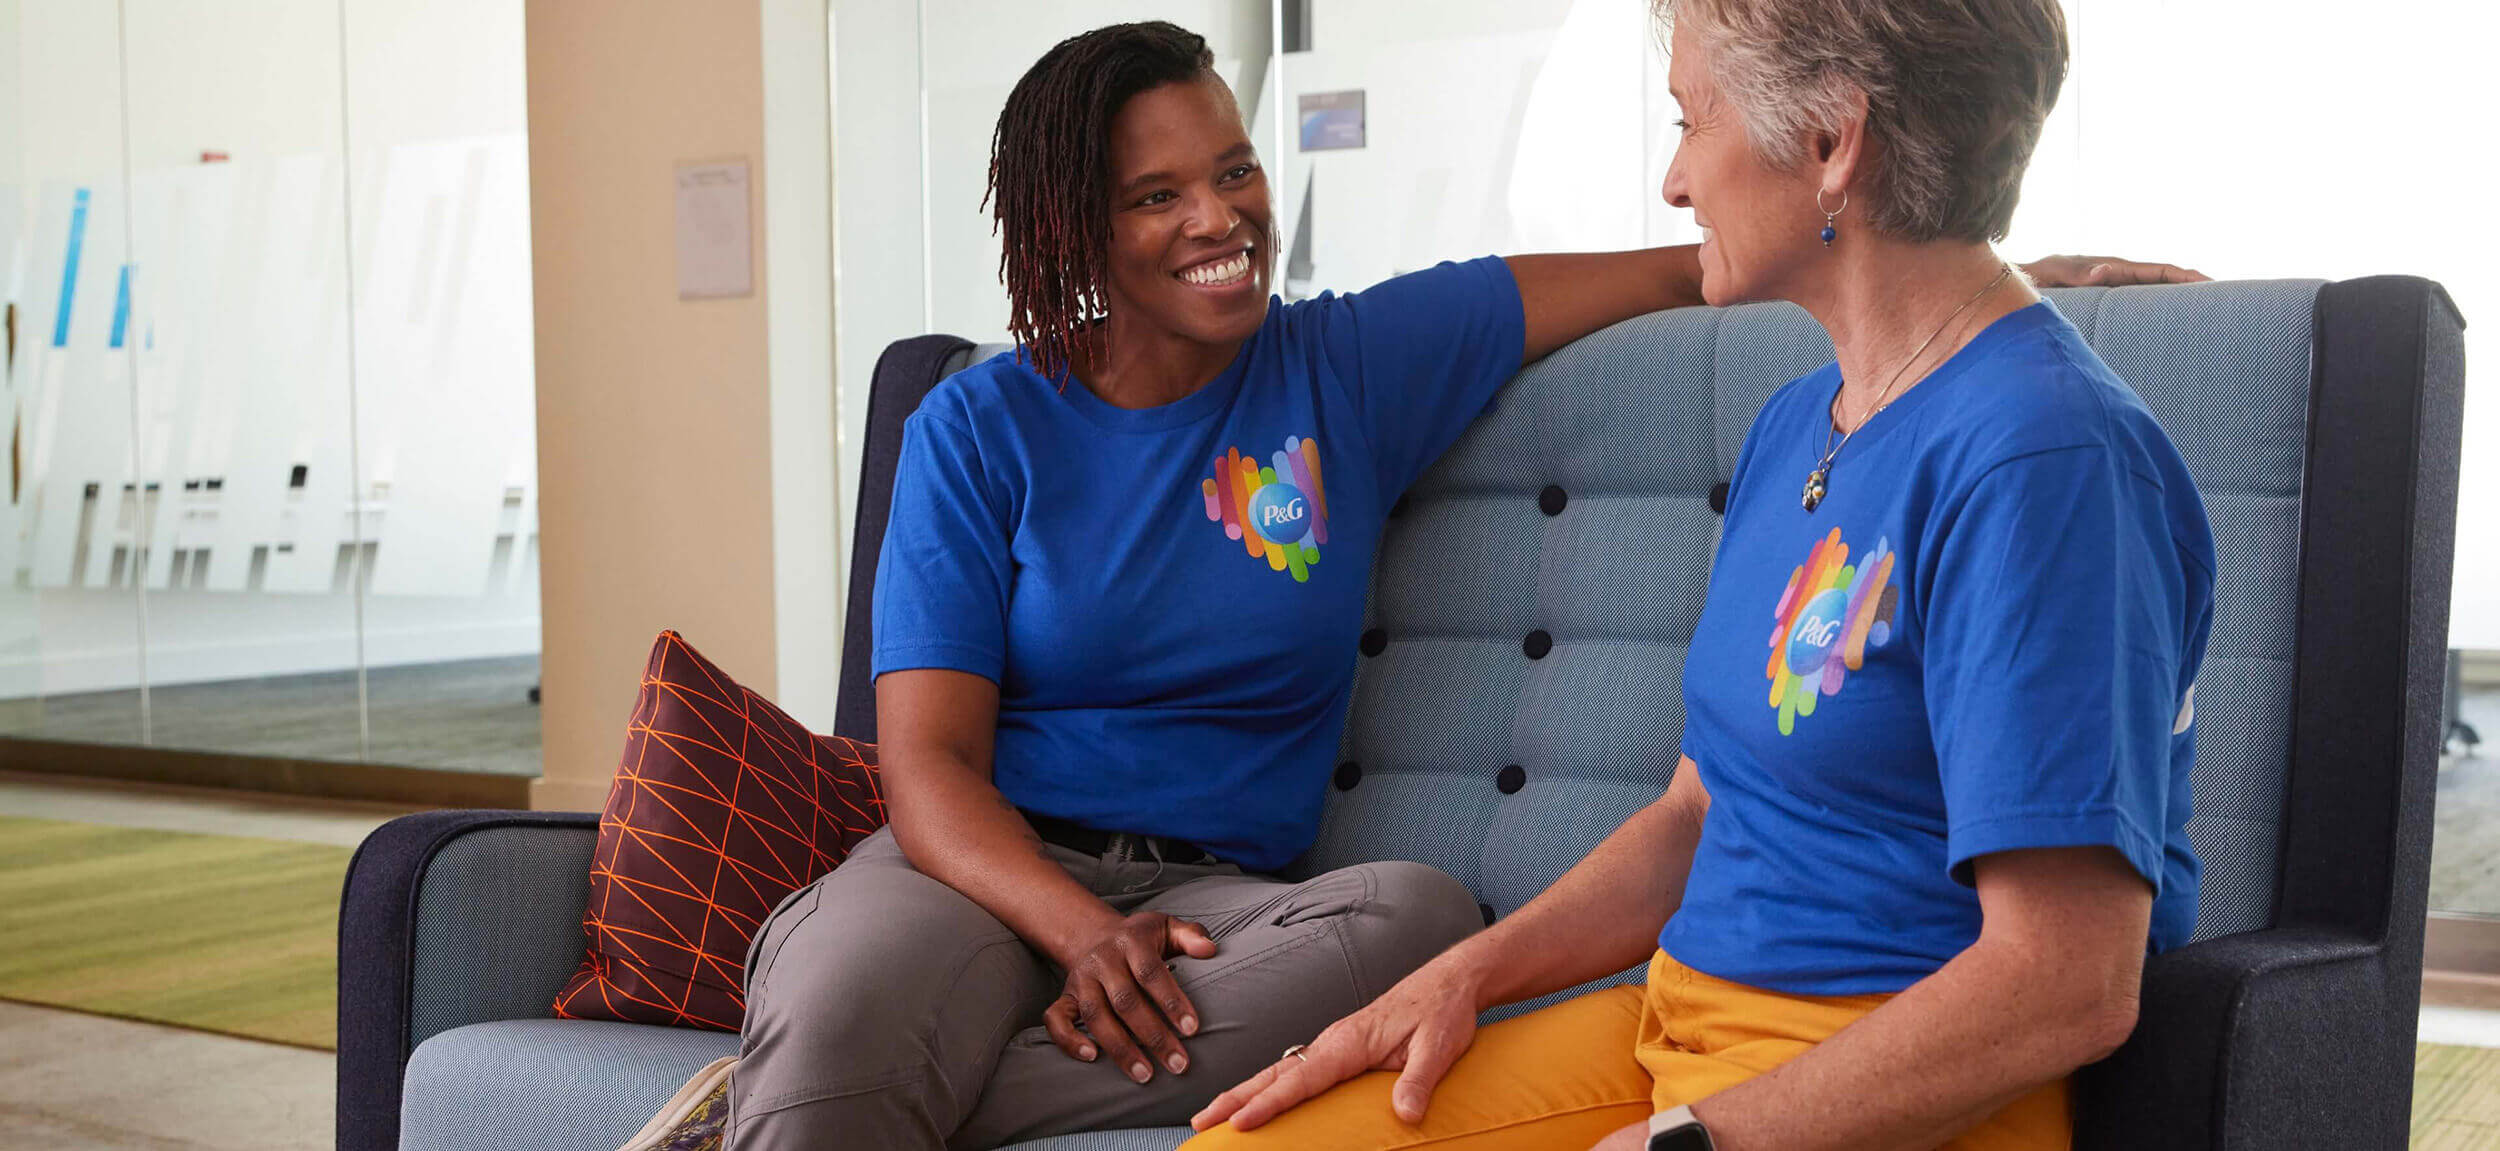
1290,960
877,1001
887,1010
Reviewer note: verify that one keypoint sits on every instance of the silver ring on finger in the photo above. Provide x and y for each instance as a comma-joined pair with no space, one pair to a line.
1294,1052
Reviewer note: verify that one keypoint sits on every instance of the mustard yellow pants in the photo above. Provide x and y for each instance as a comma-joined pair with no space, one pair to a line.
1569,1075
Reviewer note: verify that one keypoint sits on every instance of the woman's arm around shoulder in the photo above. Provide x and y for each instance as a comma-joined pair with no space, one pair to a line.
1568,295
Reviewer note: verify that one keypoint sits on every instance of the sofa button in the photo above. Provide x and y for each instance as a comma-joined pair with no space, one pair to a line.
1485,910
1537,644
1349,774
1511,779
1718,498
1375,641
1553,500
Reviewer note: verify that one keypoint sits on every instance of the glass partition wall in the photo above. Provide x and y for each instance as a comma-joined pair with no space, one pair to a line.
272,456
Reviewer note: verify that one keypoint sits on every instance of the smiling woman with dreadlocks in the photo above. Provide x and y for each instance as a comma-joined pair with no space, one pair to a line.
1115,626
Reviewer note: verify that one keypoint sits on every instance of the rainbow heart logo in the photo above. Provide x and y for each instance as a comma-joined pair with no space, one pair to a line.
1278,510
1832,612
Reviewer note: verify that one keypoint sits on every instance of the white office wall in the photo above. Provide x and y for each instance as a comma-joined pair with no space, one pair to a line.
2259,138
12,110
880,269
1375,24
1491,128
798,300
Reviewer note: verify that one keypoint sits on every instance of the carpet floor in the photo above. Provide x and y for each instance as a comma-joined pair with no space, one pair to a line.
219,933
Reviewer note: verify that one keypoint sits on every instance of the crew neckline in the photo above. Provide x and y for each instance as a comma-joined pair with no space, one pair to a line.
1209,398
1999,331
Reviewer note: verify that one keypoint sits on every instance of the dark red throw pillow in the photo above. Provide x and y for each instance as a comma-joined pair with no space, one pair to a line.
722,806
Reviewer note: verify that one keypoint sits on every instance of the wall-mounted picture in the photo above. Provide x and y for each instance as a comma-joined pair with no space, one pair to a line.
1332,120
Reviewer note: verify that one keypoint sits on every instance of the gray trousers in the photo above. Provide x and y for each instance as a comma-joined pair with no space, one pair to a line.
885,1010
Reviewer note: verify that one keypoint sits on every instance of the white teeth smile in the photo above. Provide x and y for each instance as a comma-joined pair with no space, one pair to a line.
1219,273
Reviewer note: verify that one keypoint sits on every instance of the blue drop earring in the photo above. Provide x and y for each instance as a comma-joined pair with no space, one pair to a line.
1830,233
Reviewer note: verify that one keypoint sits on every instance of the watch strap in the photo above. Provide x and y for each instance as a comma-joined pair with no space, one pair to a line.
1676,1121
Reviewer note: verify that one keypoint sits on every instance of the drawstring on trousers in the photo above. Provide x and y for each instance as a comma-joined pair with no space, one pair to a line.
1154,847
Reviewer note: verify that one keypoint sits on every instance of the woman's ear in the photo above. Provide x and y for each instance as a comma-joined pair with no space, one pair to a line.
1841,149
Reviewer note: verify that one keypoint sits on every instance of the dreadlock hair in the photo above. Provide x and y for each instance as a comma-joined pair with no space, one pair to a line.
1050,176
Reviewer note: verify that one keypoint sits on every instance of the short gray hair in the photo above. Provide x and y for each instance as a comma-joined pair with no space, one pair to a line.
1956,92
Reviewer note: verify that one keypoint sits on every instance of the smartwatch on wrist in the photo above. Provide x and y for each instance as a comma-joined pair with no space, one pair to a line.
1677,1130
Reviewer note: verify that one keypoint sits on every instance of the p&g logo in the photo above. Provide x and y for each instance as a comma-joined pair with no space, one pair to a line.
1817,628
1279,511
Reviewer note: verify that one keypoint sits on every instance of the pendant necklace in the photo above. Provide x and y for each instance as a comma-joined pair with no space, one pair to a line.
1819,481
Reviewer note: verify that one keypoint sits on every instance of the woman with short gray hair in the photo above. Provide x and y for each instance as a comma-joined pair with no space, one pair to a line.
1905,877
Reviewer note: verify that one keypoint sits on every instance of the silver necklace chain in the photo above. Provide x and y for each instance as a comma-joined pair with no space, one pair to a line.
1818,482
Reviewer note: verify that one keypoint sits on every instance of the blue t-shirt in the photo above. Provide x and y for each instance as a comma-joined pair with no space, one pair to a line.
1985,639
1169,598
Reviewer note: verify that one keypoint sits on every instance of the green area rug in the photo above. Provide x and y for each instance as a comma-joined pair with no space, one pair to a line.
215,932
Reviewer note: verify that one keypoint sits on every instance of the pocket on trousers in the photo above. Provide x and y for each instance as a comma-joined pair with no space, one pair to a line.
1316,912
775,934
1333,896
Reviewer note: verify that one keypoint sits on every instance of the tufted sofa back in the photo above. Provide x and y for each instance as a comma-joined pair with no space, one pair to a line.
1517,693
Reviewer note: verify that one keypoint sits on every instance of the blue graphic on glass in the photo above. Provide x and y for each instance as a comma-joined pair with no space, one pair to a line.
69,268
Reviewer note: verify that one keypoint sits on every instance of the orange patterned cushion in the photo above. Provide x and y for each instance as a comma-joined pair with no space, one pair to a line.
723,805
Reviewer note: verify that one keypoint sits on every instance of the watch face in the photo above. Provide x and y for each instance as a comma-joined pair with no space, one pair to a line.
1689,1137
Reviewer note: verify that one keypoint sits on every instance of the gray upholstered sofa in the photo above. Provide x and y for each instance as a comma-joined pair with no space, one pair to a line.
2321,421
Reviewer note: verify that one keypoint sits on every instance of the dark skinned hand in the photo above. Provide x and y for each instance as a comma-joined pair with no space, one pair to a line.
1125,1000
2105,272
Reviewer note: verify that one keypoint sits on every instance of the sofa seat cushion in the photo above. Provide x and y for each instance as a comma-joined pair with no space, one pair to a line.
547,1084
580,1085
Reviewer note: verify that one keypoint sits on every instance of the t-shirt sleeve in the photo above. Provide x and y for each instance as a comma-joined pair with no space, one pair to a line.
943,576
1426,351
2055,618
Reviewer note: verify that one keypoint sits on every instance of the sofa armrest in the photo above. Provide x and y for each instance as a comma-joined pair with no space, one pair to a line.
2265,1039
450,918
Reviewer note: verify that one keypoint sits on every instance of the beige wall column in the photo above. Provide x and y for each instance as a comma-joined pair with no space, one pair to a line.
654,413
